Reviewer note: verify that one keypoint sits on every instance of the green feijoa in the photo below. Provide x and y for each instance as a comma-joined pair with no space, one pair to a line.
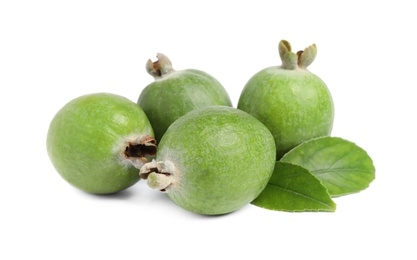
213,160
176,92
98,141
292,102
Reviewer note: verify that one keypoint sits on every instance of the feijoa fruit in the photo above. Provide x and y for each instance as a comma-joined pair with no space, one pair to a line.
292,102
213,160
98,141
176,92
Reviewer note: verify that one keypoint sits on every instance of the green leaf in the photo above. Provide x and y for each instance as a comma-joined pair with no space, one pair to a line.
293,188
342,166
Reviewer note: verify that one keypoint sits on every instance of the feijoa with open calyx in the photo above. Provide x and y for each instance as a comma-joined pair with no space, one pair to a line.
176,92
292,102
213,160
98,141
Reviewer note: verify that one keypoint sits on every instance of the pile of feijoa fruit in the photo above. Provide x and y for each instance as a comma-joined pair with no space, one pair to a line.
184,137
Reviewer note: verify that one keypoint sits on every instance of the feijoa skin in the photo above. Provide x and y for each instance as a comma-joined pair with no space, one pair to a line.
292,102
213,160
97,142
175,93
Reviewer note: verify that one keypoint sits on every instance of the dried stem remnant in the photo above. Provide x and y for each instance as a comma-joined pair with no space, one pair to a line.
160,175
137,151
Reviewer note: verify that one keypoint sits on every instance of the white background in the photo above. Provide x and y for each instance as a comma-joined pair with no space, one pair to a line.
54,51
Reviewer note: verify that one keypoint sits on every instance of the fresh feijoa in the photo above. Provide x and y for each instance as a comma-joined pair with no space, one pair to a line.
176,92
213,160
98,141
292,102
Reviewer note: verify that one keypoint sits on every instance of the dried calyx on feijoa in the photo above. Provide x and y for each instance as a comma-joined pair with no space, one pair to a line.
177,92
292,102
97,142
213,160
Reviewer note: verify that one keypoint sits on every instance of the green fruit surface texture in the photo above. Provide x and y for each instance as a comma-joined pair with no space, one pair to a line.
213,160
292,102
175,93
88,138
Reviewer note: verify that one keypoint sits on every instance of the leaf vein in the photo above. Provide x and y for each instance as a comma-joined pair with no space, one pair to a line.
341,158
323,171
302,195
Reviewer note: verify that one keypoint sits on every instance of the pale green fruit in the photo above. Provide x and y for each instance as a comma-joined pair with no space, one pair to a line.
292,102
177,92
96,140
213,160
